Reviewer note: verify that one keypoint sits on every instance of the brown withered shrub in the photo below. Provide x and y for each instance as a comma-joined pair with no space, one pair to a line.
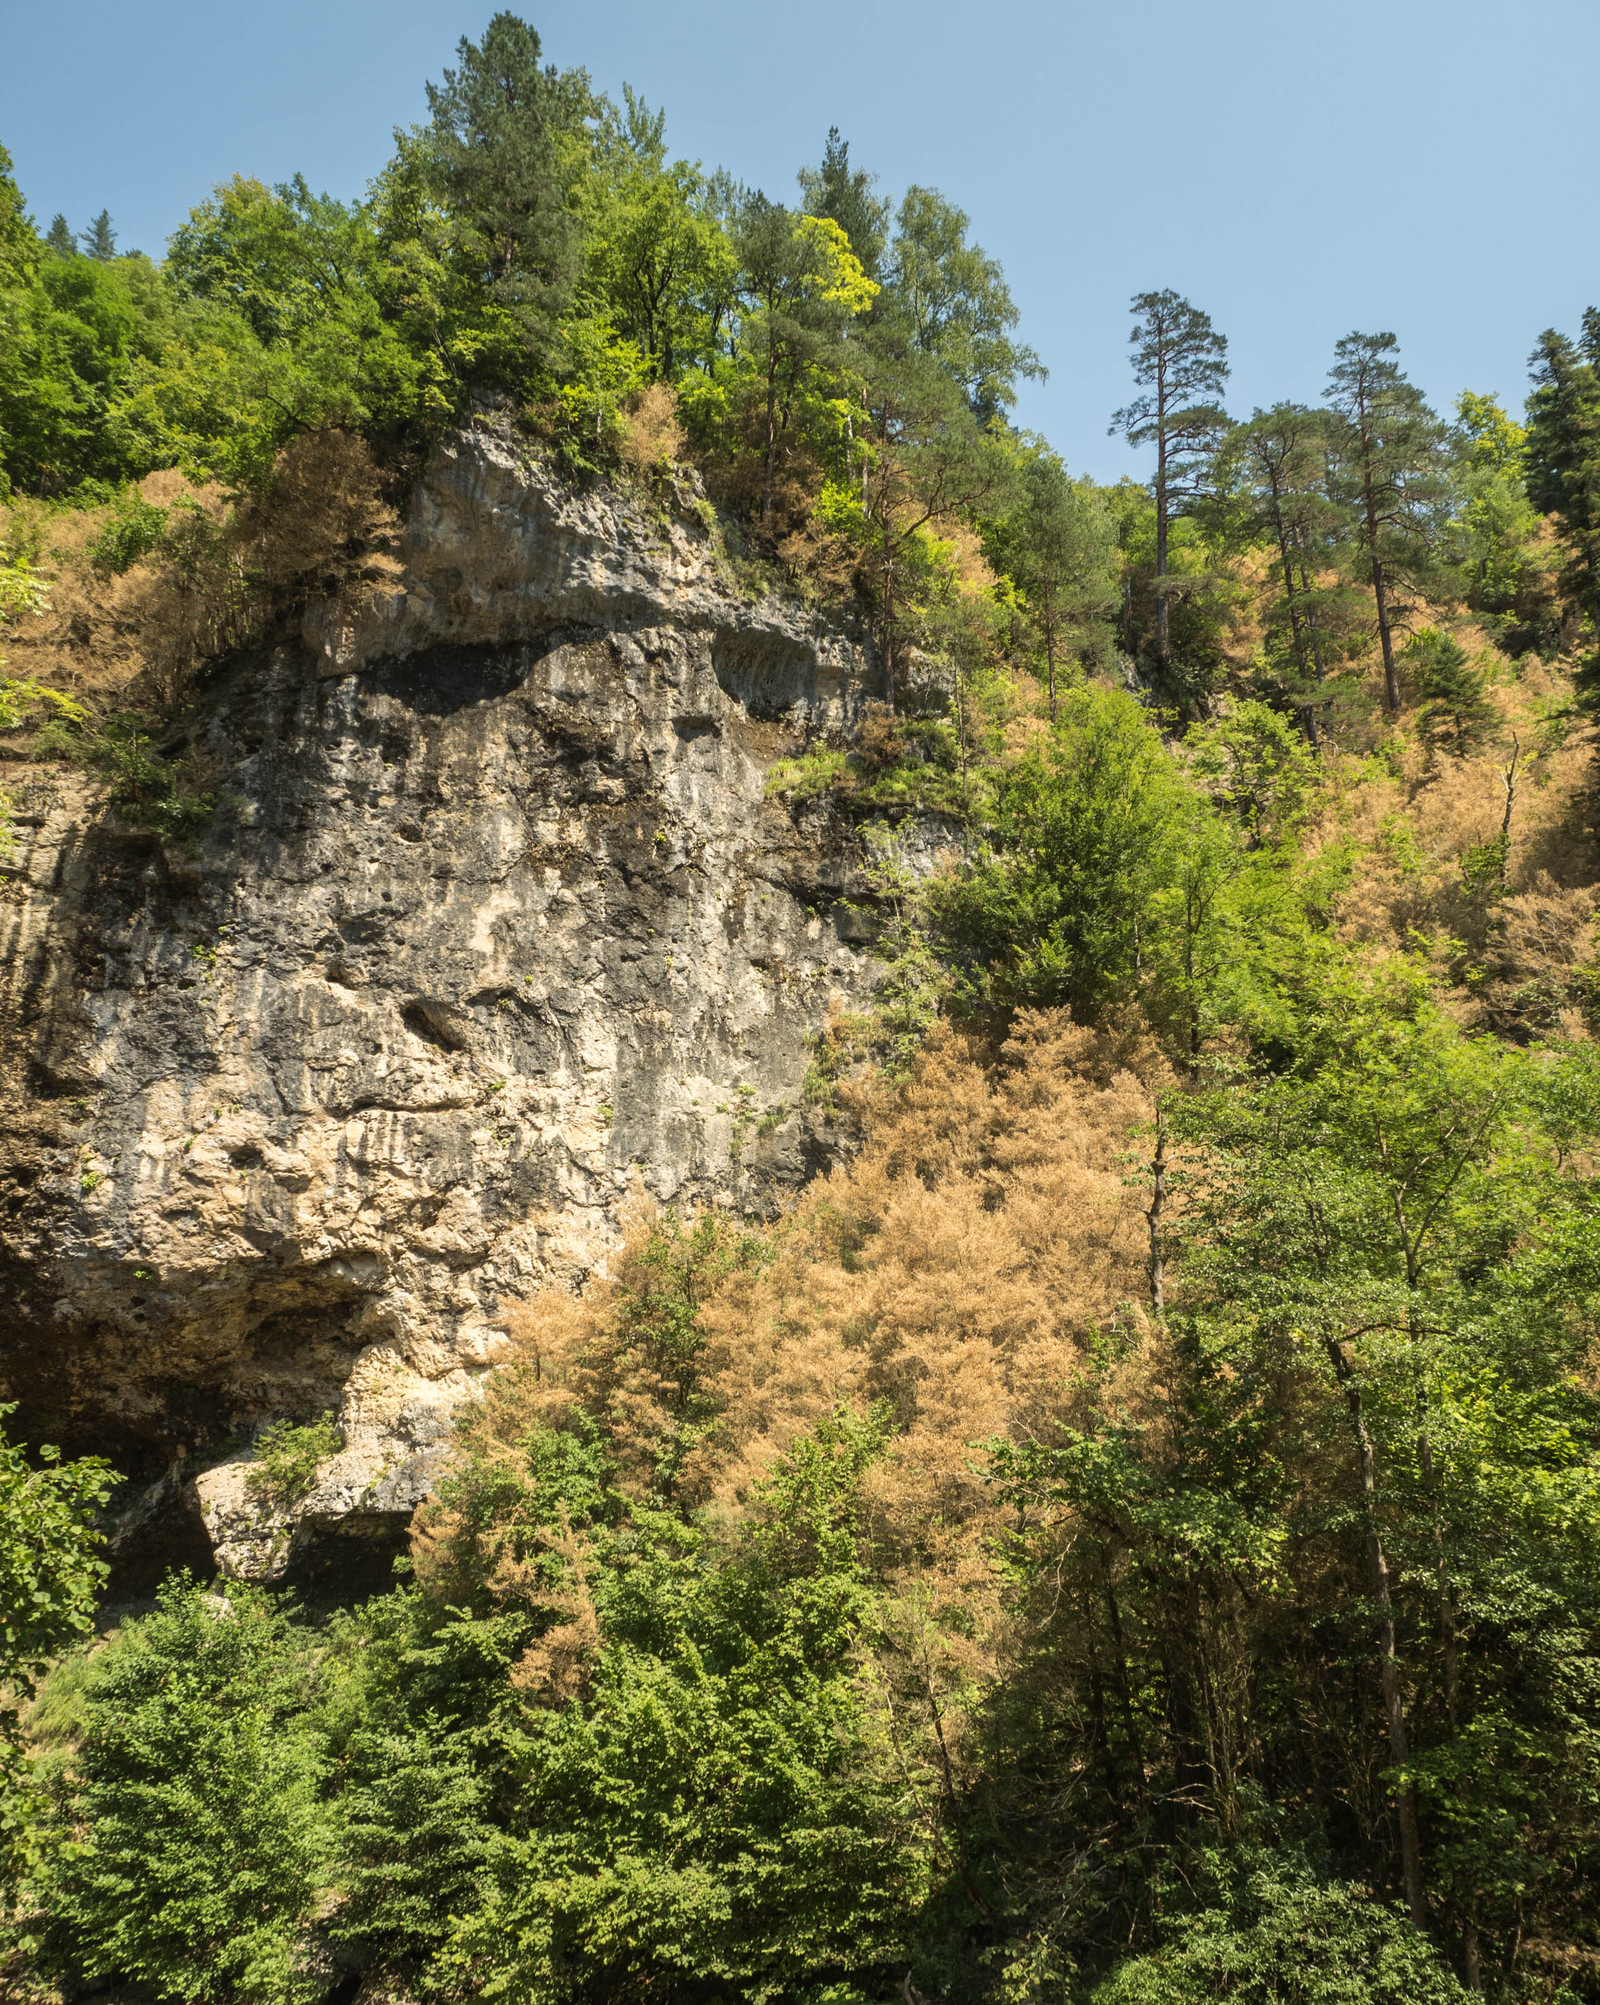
652,437
953,1276
952,1272
222,573
1431,864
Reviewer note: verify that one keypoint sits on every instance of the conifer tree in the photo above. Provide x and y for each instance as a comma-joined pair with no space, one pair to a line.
1060,548
505,151
1390,466
59,240
844,193
100,240
1457,714
1180,363
1279,460
1562,454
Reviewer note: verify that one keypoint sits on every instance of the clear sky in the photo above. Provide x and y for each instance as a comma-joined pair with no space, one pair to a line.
1298,169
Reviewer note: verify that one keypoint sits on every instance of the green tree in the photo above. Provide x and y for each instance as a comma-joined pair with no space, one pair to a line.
802,284
506,150
1563,468
946,299
196,1790
19,246
59,240
1059,909
1391,466
1457,714
51,1578
100,240
1277,463
657,256
844,194
1059,546
1181,364
924,460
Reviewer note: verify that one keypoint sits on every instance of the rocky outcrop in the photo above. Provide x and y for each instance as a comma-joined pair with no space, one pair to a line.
495,926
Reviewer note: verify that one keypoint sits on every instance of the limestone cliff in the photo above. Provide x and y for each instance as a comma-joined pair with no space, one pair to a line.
495,925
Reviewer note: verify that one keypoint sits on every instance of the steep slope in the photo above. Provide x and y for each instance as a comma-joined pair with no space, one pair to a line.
495,927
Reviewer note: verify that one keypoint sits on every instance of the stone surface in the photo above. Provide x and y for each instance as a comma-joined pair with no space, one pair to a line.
496,926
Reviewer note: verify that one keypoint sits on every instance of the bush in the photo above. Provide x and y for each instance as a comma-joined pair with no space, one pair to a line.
288,1456
196,1794
1284,1937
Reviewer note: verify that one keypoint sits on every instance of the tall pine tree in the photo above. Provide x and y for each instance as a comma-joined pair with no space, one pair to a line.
1391,466
506,150
100,240
1180,363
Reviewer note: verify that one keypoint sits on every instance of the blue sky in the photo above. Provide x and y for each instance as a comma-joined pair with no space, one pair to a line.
1297,169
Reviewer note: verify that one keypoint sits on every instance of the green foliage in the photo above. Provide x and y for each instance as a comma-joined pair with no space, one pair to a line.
51,1576
1456,714
148,789
1106,880
1281,1936
195,1791
287,1457
1562,458
135,528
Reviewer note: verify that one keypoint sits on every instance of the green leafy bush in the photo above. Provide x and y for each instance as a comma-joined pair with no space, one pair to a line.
287,1457
191,1839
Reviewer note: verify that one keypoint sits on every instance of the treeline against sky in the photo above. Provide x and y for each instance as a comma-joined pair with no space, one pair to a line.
1132,1532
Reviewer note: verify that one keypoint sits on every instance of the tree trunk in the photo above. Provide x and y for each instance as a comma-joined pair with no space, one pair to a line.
1163,639
888,619
1158,1201
1313,728
1163,648
1050,659
1391,675
1388,1667
772,432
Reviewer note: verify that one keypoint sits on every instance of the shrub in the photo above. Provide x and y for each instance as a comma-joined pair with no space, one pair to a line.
288,1456
196,1794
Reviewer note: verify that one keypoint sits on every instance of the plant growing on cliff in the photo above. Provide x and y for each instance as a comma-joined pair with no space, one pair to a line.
287,1457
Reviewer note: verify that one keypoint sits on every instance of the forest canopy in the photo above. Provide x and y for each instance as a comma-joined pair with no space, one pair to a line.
1131,1531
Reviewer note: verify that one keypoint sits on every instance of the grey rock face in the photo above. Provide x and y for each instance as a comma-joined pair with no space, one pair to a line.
497,928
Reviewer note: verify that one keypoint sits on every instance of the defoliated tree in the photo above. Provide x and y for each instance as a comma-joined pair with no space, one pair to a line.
1390,465
944,298
1180,363
100,240
59,240
1060,546
505,150
844,194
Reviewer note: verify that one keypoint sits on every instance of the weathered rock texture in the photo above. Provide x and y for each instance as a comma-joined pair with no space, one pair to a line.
497,927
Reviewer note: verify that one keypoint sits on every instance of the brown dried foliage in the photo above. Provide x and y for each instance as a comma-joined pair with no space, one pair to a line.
953,1273
226,572
652,439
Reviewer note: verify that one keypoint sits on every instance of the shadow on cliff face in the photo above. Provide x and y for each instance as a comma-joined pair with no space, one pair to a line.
767,672
439,681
